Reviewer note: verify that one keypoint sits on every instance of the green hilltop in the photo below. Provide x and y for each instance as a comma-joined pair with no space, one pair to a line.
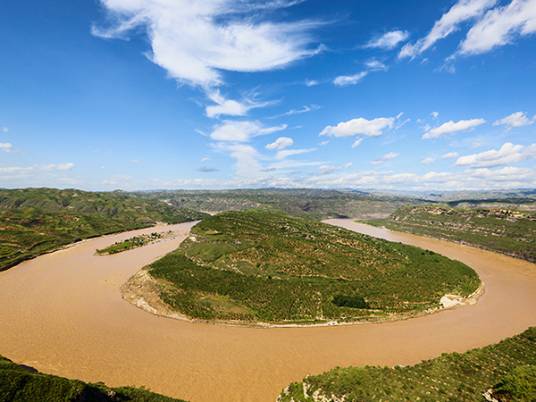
20,383
265,266
505,229
506,372
35,221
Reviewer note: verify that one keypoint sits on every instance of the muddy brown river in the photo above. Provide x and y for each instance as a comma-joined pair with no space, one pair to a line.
63,314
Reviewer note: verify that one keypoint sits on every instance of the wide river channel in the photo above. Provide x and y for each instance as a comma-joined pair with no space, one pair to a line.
63,314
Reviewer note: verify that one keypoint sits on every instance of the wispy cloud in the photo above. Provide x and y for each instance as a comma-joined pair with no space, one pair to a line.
242,131
229,107
507,154
385,158
6,146
359,126
500,27
294,112
388,40
280,143
451,127
195,41
462,11
292,152
345,80
517,119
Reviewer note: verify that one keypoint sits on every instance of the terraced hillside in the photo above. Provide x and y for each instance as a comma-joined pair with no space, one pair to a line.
509,231
35,221
24,384
505,371
261,265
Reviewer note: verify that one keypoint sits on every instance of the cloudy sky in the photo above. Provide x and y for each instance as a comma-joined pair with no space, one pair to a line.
370,94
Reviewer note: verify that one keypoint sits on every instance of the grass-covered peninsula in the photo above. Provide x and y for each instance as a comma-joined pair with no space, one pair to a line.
505,372
20,383
265,266
35,221
506,230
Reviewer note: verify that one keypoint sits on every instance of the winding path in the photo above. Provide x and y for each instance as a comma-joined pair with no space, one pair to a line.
63,314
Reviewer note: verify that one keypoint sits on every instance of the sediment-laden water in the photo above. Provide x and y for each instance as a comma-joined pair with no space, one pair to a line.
63,314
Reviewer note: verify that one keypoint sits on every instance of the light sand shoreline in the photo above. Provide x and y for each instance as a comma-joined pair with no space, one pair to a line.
63,314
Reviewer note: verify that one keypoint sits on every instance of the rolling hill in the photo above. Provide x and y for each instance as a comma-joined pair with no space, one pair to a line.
265,266
36,221
506,230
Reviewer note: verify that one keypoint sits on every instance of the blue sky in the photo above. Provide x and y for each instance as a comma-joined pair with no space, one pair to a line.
153,94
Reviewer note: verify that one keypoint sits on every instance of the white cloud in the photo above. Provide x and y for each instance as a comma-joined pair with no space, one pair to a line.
434,115
452,127
58,166
507,154
281,143
246,159
428,160
6,146
32,172
291,152
385,158
230,107
500,27
483,178
375,65
345,80
450,155
311,83
517,119
242,131
462,11
360,126
357,142
194,40
389,40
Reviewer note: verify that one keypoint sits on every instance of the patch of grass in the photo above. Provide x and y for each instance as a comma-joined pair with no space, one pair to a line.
450,377
276,268
36,221
505,230
23,384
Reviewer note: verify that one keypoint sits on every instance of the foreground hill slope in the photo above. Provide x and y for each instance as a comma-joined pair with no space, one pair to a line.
261,265
509,231
35,221
24,384
505,371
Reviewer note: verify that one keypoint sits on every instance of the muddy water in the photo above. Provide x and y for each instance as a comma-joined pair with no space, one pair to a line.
63,314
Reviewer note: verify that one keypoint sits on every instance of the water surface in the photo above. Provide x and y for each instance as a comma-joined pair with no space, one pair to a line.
63,314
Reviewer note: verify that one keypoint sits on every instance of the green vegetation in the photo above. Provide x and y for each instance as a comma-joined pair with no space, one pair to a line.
262,265
23,384
35,221
450,377
312,203
131,243
518,385
508,231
